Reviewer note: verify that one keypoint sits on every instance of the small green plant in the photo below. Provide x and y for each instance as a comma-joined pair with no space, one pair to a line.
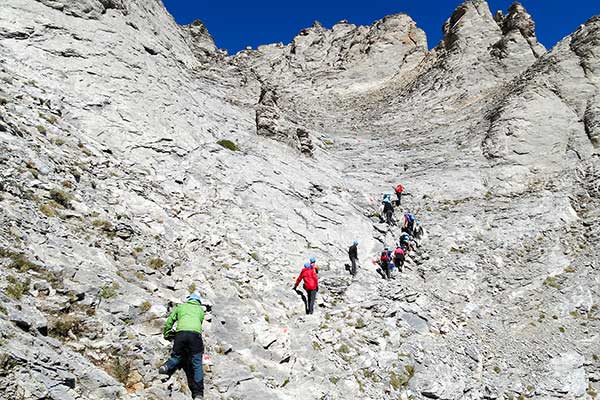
21,262
62,325
562,329
360,323
334,379
497,369
3,101
591,391
317,346
192,287
41,129
156,263
61,197
121,369
552,282
140,275
58,141
84,149
145,306
48,209
401,379
228,144
570,270
16,288
53,119
109,291
137,251
267,318
254,256
252,368
344,349
285,382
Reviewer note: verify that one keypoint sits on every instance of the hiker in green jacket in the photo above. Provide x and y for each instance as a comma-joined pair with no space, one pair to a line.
188,347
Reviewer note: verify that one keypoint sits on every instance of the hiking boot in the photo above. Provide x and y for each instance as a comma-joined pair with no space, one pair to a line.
198,396
163,370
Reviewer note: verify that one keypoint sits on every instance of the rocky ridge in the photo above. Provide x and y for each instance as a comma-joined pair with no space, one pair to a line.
117,200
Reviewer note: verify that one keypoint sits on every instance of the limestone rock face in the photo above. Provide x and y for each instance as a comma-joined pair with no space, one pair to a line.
138,163
201,41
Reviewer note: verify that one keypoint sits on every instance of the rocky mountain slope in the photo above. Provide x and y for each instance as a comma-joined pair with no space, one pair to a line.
139,163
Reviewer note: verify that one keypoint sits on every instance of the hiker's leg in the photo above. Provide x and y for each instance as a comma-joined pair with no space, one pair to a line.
179,349
353,270
312,295
197,386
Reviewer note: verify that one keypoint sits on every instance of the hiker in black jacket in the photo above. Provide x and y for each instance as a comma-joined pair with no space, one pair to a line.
353,254
388,211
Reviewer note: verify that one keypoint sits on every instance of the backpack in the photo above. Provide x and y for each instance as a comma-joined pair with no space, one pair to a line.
399,188
410,218
384,256
399,252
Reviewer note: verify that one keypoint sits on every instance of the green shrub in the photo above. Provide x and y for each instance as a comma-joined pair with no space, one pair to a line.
156,263
63,324
145,306
48,209
61,197
399,380
121,369
16,288
254,256
551,282
334,379
192,287
344,349
41,129
360,323
228,144
109,291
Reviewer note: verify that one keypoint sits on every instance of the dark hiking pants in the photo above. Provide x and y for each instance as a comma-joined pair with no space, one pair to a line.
187,354
385,266
353,262
311,296
399,263
389,217
399,196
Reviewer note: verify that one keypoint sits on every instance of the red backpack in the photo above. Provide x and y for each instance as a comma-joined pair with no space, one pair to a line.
384,256
399,188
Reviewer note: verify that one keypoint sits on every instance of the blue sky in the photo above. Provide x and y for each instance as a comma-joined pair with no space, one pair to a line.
236,24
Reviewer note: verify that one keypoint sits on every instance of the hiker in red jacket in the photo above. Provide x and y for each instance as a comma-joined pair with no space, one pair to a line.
311,285
398,190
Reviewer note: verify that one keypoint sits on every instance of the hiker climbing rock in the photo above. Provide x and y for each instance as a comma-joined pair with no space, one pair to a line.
399,258
409,223
388,211
188,347
403,243
353,254
311,285
398,190
384,262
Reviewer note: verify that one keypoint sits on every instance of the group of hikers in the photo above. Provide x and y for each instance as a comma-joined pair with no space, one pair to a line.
184,324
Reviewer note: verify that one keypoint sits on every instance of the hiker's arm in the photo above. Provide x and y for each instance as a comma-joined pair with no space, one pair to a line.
170,321
298,280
